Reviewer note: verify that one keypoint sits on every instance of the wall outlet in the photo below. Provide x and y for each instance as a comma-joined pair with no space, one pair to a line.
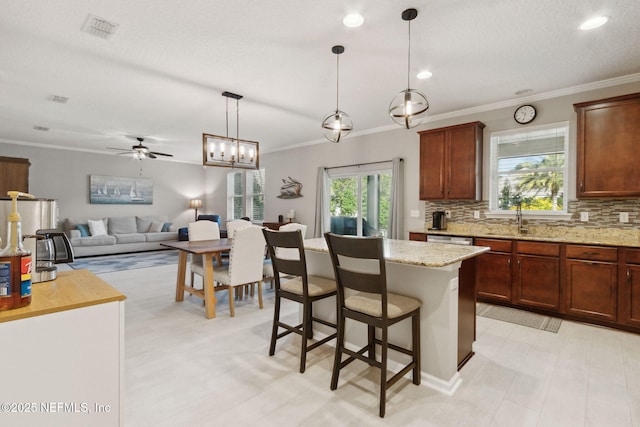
476,214
415,213
584,216
447,214
624,216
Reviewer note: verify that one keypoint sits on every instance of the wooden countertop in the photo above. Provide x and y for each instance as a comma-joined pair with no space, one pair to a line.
415,253
71,290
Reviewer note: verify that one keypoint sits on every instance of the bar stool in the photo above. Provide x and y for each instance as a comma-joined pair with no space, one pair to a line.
304,289
370,303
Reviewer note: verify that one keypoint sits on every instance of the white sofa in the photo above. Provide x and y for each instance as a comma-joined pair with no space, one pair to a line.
124,234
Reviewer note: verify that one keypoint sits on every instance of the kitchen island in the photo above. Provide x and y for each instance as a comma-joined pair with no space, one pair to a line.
430,272
63,355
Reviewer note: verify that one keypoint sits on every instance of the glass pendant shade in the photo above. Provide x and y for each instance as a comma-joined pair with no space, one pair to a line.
337,125
409,108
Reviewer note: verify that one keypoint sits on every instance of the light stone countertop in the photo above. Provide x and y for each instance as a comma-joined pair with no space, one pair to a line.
557,234
415,253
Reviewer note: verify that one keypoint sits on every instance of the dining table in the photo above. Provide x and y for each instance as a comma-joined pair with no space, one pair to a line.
208,249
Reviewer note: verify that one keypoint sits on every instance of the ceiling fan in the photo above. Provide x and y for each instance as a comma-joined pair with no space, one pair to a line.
140,151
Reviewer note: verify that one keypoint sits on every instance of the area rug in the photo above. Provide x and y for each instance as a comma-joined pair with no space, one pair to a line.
519,317
111,263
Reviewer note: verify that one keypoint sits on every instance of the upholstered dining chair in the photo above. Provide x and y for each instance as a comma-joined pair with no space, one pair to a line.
359,268
236,224
245,263
283,252
202,230
304,289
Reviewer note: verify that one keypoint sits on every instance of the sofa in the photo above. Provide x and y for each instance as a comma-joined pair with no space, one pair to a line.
123,234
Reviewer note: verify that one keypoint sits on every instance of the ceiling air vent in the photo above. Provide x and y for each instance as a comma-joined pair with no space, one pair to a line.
59,99
99,27
41,128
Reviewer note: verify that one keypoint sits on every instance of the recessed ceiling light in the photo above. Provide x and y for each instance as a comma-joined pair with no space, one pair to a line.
592,23
424,74
353,20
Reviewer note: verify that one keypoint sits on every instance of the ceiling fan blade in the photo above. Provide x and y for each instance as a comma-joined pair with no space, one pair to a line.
113,148
150,155
161,154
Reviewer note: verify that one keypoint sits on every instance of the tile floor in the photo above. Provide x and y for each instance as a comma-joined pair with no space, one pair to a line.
185,370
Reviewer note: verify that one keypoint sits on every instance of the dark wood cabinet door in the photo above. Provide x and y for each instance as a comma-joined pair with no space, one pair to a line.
591,289
537,282
462,165
419,237
14,175
607,140
451,162
493,276
432,174
630,296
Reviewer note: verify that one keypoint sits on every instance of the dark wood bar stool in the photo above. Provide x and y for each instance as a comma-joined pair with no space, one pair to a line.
304,289
370,303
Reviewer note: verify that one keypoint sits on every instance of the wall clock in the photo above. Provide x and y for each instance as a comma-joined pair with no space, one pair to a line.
525,114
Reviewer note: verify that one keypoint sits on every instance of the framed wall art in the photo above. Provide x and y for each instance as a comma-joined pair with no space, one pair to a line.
119,190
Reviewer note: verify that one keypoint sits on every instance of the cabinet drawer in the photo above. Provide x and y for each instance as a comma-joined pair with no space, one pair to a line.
632,256
494,244
537,248
421,237
596,253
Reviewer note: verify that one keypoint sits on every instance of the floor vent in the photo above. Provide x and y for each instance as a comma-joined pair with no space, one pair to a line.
99,27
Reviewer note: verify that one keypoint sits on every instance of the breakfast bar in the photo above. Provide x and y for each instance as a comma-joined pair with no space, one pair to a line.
432,273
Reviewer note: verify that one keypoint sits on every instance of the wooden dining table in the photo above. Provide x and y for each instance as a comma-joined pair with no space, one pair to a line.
207,249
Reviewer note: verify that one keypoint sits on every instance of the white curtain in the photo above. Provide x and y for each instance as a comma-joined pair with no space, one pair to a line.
396,216
322,187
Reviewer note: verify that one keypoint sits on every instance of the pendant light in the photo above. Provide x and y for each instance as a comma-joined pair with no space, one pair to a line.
338,124
409,107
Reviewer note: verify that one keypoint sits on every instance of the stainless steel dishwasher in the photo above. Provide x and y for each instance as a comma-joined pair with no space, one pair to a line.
454,240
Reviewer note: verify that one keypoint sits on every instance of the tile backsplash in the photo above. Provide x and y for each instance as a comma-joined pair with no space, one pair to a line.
603,213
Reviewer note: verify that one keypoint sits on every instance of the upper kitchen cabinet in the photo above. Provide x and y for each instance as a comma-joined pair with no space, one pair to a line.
607,140
14,175
451,162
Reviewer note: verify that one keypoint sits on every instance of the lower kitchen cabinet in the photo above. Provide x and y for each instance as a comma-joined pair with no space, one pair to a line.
537,277
493,271
591,285
629,281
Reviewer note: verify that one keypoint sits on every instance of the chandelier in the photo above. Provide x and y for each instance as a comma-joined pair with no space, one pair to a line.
229,152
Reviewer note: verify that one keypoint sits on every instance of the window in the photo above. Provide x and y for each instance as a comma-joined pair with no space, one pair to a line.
245,194
359,201
530,168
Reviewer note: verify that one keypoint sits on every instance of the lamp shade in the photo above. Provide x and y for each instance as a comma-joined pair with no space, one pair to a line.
195,204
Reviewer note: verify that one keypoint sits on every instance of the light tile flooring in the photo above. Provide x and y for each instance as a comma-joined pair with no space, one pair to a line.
184,370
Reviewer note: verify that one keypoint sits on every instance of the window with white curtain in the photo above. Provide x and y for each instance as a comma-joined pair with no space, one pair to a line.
529,167
360,199
245,194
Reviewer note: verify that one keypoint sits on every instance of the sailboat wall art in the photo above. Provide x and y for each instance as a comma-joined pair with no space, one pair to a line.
120,190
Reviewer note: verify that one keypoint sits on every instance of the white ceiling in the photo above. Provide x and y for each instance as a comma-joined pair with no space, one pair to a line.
162,74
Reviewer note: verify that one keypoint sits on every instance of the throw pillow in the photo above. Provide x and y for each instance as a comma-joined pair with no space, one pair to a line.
166,226
84,229
156,227
97,227
122,225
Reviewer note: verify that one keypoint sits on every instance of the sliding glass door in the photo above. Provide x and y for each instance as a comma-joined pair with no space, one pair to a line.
359,202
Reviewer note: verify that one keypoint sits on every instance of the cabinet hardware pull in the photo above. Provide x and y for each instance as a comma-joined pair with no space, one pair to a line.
581,186
628,275
590,253
509,262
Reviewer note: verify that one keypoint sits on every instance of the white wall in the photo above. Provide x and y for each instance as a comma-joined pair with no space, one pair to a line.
64,175
302,163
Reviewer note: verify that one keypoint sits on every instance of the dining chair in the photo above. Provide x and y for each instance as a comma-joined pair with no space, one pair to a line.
245,263
304,289
282,252
360,269
202,230
236,224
